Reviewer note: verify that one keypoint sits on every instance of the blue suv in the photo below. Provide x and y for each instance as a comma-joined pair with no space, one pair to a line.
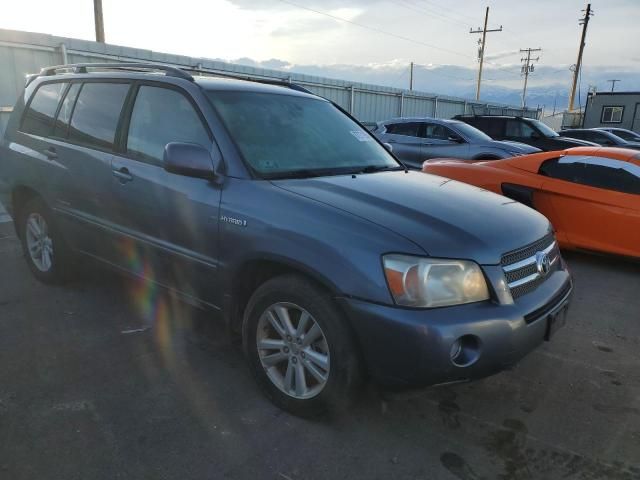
272,205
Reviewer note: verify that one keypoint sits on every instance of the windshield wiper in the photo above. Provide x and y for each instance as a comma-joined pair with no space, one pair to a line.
319,172
376,168
302,173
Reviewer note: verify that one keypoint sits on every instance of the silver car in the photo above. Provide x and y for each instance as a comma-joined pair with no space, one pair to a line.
415,140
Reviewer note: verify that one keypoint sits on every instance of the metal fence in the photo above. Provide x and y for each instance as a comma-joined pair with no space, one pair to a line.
22,53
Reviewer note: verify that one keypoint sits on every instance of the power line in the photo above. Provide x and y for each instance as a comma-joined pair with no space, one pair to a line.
613,83
527,69
374,29
436,5
429,14
584,21
482,43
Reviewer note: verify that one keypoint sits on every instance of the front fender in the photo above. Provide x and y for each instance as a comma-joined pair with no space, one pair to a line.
342,251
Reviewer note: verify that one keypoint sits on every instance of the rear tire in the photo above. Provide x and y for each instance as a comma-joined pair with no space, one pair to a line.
44,248
308,363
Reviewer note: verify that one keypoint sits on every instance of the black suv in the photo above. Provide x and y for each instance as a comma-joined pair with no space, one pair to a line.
520,129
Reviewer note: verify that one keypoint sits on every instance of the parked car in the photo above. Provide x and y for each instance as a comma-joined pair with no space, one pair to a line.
591,195
601,137
520,129
628,135
277,209
416,139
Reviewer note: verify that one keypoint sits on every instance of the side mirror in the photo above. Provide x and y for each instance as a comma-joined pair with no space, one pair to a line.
455,138
388,146
189,160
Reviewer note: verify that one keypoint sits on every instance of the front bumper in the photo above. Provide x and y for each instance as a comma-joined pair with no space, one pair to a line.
410,347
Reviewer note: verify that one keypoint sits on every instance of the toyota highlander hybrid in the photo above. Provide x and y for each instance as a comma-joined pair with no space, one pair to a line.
278,209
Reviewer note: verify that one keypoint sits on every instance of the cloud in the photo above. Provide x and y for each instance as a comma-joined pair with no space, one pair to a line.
500,55
324,5
547,86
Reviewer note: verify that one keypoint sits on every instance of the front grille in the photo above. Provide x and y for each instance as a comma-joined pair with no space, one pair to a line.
526,252
520,266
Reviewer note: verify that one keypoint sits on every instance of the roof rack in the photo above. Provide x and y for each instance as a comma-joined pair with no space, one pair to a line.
83,68
181,72
249,78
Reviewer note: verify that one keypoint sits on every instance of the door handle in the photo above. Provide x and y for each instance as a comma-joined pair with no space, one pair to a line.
122,174
50,153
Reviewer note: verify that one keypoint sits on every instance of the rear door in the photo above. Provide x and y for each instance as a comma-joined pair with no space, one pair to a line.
597,201
441,141
76,154
406,139
167,223
34,151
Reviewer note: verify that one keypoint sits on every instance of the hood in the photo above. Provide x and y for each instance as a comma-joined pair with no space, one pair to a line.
514,147
444,217
517,147
575,142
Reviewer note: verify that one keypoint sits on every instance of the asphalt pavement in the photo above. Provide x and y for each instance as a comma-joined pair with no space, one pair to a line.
108,378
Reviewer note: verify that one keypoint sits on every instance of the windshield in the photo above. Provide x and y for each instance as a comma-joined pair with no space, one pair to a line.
286,135
545,129
628,136
470,133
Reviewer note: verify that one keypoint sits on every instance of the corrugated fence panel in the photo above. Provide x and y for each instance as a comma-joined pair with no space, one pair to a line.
16,63
449,109
418,107
338,95
372,107
24,52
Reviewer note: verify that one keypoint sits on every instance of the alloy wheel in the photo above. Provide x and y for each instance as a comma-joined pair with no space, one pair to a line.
39,243
293,350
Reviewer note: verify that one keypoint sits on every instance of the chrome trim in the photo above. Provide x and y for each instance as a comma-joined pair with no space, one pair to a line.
527,261
524,280
530,278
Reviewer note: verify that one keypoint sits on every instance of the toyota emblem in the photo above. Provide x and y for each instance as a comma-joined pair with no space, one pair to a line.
543,264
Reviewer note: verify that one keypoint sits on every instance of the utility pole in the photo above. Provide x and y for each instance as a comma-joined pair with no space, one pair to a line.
481,47
411,77
613,83
99,20
527,68
584,21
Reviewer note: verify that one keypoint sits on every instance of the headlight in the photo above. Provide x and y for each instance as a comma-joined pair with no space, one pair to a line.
431,282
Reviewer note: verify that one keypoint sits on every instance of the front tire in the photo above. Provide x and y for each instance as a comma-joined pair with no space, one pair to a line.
43,246
299,347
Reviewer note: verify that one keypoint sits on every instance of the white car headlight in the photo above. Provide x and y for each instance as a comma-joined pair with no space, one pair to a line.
432,282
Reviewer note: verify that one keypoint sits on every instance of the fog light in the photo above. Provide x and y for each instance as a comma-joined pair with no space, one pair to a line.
456,350
465,351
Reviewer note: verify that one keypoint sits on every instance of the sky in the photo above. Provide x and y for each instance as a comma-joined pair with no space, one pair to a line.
372,41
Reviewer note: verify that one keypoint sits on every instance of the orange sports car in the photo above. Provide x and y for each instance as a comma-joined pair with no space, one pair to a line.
591,195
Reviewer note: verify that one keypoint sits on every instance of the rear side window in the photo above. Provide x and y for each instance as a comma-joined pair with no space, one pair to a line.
437,132
64,115
495,127
96,114
518,128
38,117
408,129
598,172
574,134
569,169
160,116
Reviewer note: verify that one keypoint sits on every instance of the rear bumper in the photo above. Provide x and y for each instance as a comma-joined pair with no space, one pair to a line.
408,347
